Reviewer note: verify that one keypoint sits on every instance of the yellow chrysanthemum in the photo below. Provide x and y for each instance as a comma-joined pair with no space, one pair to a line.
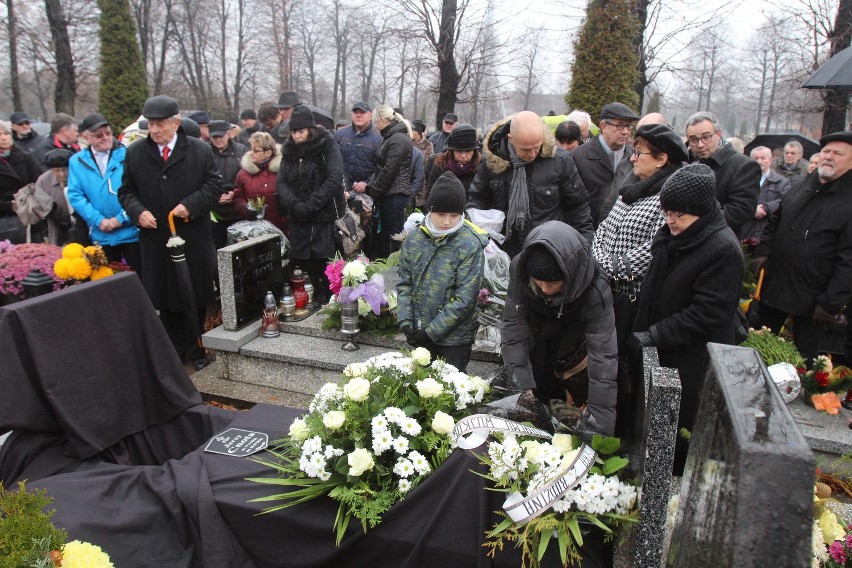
91,249
78,554
79,268
100,272
73,250
62,268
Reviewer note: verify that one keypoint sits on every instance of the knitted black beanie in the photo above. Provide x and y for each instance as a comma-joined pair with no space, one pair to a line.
301,117
447,195
691,189
542,266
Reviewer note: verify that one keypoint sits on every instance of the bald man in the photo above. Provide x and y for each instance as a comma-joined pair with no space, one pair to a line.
530,178
652,118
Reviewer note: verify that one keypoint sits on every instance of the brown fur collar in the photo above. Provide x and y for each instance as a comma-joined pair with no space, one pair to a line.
496,150
251,167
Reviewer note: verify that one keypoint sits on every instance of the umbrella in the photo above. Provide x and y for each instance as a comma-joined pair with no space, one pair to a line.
176,246
836,73
322,117
809,146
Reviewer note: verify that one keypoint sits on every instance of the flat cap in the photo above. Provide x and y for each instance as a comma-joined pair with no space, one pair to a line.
451,117
617,110
842,136
161,106
200,117
219,127
665,140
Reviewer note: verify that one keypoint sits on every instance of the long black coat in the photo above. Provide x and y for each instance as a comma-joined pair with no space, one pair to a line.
16,171
809,244
689,297
228,164
599,178
556,191
312,174
190,178
737,184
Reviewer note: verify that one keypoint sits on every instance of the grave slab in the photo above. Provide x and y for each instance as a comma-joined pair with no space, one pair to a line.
247,270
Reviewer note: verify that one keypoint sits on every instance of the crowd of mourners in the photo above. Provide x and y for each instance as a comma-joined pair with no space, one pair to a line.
621,234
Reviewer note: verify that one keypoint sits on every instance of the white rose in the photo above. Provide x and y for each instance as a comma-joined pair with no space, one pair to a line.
421,356
360,460
480,383
532,448
429,388
443,423
355,269
334,419
569,458
357,389
562,442
298,429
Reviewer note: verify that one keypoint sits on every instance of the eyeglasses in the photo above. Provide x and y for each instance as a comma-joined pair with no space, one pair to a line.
620,126
706,137
101,133
637,153
259,150
671,214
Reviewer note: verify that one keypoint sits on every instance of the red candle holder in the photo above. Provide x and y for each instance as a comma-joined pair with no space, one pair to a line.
297,282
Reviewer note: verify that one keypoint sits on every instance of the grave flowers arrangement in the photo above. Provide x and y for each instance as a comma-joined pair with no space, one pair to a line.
371,439
772,348
824,377
831,542
540,470
362,281
16,261
82,263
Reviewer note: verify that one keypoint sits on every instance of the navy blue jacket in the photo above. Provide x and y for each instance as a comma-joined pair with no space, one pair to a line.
358,150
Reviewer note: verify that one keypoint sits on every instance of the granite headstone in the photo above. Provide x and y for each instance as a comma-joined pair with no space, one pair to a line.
247,270
747,492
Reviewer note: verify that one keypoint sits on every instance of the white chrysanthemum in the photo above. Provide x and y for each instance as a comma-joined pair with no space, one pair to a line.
312,445
394,414
420,462
400,445
404,468
331,451
383,442
404,486
379,423
410,426
819,555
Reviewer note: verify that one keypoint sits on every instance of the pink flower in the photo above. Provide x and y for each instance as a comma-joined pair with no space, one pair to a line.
484,297
837,552
18,260
334,272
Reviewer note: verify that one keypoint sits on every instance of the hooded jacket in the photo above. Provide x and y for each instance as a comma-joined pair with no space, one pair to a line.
95,197
556,192
539,330
439,282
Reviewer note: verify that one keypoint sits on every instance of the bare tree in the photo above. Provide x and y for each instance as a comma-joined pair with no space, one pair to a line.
14,79
66,83
281,13
529,65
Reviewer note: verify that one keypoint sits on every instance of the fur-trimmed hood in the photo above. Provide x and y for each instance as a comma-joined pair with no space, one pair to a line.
495,146
251,167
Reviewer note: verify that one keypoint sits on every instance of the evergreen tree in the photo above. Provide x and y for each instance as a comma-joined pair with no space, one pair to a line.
123,89
605,68
655,103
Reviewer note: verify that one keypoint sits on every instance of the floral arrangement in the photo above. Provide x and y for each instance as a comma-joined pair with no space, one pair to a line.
824,377
831,539
362,280
256,203
29,538
370,440
82,263
772,348
16,261
522,465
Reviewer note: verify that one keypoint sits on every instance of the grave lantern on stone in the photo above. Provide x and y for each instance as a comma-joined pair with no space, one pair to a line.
36,283
297,282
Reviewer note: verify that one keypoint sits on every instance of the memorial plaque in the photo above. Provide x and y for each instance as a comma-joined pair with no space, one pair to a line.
247,270
237,443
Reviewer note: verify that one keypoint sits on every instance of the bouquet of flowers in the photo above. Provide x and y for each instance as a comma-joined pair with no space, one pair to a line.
373,438
82,263
831,542
362,281
492,298
824,377
16,261
772,348
568,483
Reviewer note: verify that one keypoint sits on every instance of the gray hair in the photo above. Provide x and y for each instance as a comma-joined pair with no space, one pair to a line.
758,149
796,145
6,125
580,117
701,117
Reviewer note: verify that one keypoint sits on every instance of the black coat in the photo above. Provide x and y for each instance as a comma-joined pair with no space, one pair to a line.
16,171
48,143
809,244
537,331
556,191
28,142
601,181
392,175
690,295
246,133
228,164
771,192
737,184
311,176
436,166
190,178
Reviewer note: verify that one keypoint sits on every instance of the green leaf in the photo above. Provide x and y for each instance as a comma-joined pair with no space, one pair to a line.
544,540
605,444
411,410
574,527
613,464
503,525
562,536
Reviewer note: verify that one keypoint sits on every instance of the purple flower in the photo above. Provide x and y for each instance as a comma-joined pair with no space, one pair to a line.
373,292
837,552
484,297
17,261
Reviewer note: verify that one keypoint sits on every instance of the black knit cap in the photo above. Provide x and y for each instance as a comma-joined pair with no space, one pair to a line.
691,189
447,195
418,126
665,140
57,158
302,117
541,265
249,114
463,137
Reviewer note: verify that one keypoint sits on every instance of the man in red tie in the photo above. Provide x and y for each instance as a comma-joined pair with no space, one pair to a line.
171,172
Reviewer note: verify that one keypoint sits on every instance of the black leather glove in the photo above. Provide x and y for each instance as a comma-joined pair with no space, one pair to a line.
821,315
300,211
757,263
643,339
418,338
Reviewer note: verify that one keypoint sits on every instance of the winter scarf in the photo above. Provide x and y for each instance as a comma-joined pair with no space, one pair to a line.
519,199
631,193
